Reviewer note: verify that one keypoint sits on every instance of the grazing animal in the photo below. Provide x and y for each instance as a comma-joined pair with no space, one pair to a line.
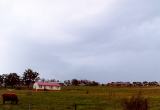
10,97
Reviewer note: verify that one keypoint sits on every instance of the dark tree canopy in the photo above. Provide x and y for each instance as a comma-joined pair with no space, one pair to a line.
75,82
30,76
11,79
1,79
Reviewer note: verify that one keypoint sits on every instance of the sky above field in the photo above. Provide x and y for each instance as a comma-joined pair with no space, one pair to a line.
102,40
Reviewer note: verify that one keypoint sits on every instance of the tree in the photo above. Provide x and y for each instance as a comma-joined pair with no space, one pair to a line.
29,77
42,80
1,79
12,79
67,82
75,82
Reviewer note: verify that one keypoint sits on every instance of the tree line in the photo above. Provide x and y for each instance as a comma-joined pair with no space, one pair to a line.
14,80
76,82
72,82
29,77
133,84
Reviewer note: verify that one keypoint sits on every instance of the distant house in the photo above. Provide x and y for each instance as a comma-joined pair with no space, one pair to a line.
46,86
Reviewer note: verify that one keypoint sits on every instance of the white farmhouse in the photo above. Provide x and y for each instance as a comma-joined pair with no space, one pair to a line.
46,86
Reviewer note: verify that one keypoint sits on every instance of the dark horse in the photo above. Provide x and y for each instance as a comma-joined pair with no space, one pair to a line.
10,97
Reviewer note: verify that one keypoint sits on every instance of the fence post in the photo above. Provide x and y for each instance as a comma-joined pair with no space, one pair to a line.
29,93
75,107
29,107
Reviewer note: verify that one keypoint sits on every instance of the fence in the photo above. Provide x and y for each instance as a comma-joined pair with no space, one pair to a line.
57,107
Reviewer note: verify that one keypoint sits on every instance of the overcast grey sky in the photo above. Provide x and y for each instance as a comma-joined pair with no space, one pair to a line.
102,40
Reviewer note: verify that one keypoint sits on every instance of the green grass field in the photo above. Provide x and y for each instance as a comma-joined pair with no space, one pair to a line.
97,98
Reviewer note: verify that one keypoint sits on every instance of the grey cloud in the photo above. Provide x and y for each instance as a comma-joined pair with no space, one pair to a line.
122,44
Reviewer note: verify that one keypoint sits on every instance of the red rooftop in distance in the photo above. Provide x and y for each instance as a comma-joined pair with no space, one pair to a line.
48,84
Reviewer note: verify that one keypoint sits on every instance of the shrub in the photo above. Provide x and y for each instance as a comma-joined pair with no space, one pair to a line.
136,102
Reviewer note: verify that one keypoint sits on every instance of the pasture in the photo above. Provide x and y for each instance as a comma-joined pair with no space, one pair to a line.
80,98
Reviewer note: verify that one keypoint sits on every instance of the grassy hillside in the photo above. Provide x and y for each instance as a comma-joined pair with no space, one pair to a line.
85,98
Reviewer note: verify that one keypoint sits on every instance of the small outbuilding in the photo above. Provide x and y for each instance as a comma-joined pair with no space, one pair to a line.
46,86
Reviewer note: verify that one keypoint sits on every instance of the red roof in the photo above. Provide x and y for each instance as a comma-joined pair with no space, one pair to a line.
48,84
